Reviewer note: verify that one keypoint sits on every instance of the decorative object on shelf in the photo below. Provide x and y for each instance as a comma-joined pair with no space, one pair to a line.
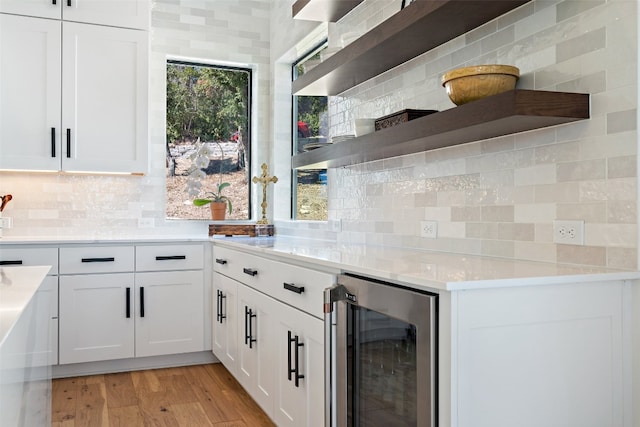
363,126
400,117
406,3
469,84
264,179
251,230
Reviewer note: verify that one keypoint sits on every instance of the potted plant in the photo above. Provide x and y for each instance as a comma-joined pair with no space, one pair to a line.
219,203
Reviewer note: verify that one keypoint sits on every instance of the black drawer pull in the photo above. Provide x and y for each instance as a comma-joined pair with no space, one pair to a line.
53,133
221,301
128,302
141,301
69,3
294,368
16,262
221,261
170,257
68,141
250,271
108,259
248,326
293,288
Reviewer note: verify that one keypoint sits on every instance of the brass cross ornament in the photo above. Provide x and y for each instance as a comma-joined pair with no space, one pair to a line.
264,179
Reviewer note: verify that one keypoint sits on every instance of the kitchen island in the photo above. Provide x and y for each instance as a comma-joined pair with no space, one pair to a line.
25,369
519,343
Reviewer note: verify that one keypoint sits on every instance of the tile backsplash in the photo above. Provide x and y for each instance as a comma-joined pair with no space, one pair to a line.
500,197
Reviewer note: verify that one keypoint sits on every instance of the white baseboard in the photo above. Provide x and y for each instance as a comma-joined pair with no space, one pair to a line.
133,364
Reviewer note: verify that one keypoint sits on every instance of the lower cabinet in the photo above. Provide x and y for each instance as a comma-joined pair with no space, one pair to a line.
274,350
117,316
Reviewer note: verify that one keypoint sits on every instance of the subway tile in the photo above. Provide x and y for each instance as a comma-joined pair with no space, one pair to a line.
583,255
581,170
622,121
622,167
589,42
570,8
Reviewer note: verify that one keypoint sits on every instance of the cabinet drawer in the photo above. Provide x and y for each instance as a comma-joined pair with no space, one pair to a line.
96,259
30,256
300,287
297,286
170,257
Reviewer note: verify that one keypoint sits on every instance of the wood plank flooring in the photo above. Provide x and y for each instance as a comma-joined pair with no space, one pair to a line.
191,396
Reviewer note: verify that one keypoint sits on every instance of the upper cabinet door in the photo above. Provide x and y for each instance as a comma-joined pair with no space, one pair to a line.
29,93
117,13
105,99
39,8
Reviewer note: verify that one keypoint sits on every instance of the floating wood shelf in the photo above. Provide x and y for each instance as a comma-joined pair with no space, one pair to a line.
414,30
323,10
503,114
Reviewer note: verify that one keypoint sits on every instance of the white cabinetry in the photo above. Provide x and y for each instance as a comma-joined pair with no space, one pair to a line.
541,356
109,309
117,13
45,351
269,333
73,96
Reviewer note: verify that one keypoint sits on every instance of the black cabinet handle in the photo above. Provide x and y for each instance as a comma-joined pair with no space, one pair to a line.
128,298
107,259
11,262
221,316
250,271
293,288
68,141
295,369
53,131
221,261
248,326
53,1
170,257
142,301
69,3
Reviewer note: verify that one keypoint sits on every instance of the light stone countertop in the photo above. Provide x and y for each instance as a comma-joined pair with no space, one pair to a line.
426,270
58,240
18,285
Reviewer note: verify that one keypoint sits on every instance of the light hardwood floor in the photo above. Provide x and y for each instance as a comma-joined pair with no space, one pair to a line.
193,396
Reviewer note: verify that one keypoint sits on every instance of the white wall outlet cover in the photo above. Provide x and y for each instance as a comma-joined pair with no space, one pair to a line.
568,232
429,229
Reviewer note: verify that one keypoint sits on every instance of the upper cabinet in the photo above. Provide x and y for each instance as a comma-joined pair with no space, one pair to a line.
322,10
73,96
118,13
416,29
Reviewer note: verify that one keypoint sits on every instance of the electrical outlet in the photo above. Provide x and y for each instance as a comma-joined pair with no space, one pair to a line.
429,229
146,223
568,232
6,222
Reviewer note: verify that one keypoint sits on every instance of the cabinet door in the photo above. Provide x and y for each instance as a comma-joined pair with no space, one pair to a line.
257,345
30,100
105,90
225,322
300,404
169,313
118,13
45,352
95,321
39,8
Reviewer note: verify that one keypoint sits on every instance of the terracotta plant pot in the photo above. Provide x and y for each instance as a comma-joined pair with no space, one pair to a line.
218,210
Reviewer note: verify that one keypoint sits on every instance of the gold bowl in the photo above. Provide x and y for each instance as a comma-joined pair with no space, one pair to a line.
472,83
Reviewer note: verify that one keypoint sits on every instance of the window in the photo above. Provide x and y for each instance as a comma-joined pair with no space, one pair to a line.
208,139
310,131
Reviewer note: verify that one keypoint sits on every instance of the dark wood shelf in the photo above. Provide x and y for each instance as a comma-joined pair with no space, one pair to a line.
503,114
323,10
416,29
